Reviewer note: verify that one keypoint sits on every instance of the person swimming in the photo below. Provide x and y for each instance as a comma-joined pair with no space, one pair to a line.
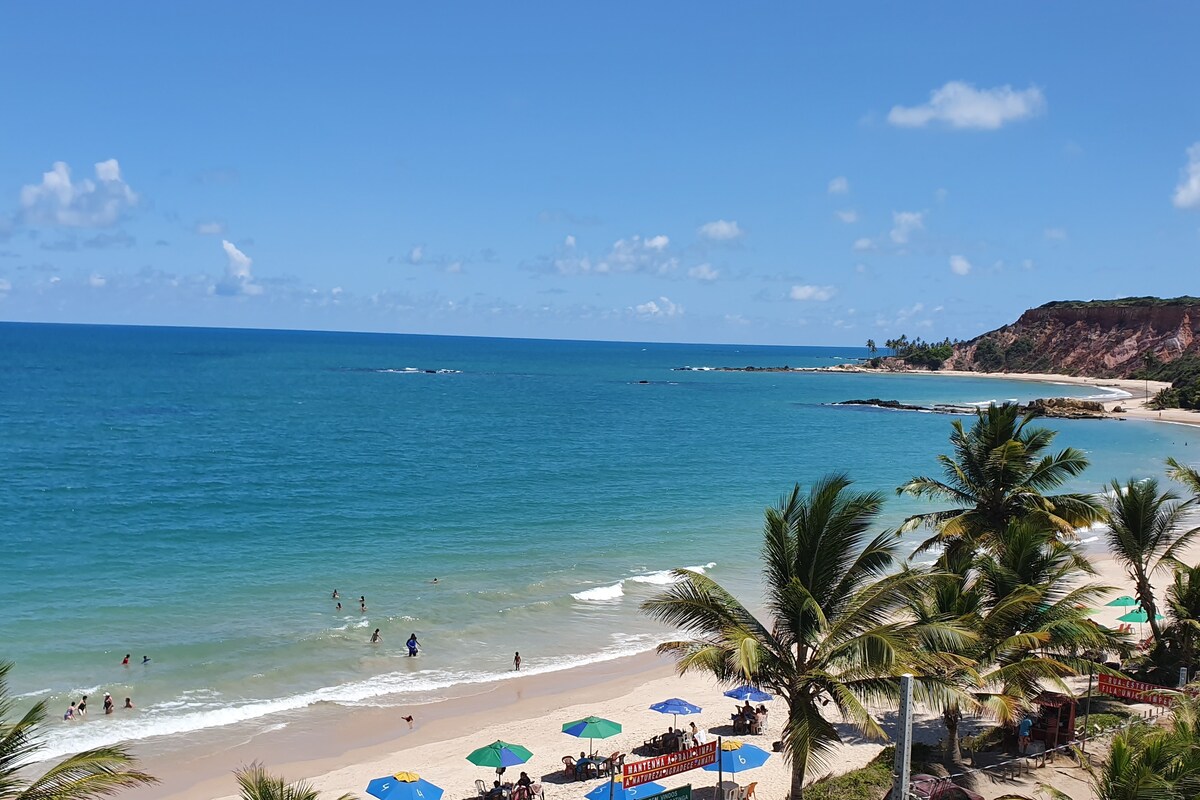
145,659
413,644
125,662
128,702
335,594
339,607
375,637
362,603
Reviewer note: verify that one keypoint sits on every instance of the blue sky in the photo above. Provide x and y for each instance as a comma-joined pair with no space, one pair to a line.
764,173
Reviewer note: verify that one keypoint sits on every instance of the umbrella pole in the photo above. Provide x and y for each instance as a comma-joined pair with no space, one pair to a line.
720,769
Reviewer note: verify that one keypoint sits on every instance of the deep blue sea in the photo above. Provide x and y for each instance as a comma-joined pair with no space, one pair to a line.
196,495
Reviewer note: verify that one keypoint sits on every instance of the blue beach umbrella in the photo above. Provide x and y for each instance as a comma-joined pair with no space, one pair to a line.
748,692
675,706
736,757
403,786
619,792
499,754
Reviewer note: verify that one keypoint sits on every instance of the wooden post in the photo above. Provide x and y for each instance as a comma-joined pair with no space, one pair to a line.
904,740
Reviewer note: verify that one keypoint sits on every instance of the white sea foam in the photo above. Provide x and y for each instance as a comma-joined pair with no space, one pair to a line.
601,594
666,577
164,719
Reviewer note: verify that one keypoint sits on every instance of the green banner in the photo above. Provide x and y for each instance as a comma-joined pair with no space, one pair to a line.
682,793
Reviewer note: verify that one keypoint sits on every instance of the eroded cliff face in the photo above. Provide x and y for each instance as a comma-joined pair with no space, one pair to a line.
1108,340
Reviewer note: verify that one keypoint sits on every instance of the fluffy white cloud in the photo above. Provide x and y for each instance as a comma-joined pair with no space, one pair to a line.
658,243
238,279
210,228
1055,234
904,223
848,216
633,254
662,307
703,272
58,200
1187,193
862,245
569,241
721,230
416,255
961,105
959,265
810,292
839,185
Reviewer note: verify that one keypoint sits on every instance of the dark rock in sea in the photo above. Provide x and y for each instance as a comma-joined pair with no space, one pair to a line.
895,405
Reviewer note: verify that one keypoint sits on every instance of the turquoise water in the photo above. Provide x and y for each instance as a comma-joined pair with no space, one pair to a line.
195,496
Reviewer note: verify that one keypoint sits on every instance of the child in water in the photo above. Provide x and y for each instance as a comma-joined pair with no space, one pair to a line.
412,645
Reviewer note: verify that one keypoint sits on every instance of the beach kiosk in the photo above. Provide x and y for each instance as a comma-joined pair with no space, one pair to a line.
1055,723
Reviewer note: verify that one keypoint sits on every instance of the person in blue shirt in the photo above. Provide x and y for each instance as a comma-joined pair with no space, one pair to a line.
1024,730
412,645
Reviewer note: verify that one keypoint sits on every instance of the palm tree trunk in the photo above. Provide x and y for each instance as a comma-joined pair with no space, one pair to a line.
798,765
953,749
1146,596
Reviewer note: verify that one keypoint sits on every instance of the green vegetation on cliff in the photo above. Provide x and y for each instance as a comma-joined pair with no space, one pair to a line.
1184,376
1126,302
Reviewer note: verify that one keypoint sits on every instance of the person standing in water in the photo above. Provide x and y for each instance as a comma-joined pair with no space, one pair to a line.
125,663
339,607
335,594
128,702
362,603
516,662
70,715
375,637
413,644
108,703
145,659
82,707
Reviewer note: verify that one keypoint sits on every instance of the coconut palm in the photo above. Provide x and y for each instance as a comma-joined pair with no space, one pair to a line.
1024,605
101,772
255,783
835,635
1153,761
1144,535
1001,470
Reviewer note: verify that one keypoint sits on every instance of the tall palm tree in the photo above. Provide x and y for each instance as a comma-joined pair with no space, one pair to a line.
1153,761
835,634
1001,470
101,772
871,348
1144,535
255,783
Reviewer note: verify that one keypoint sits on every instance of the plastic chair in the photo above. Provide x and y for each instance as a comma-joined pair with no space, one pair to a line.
568,766
481,787
748,792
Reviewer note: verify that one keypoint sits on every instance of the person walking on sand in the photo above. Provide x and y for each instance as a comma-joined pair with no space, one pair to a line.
413,644
1024,730
517,662
108,703
375,637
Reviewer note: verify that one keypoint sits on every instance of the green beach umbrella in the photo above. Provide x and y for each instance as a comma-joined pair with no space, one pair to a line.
499,754
1122,601
1138,616
592,728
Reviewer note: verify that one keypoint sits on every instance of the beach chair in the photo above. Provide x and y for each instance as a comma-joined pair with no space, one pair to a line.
568,767
481,788
748,792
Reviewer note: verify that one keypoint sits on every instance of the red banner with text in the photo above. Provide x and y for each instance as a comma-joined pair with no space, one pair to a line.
1134,690
652,769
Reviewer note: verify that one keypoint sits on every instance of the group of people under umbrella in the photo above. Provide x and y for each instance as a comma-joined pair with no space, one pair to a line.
733,757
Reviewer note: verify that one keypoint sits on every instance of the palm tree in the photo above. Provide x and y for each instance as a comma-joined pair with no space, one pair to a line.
1001,470
1143,535
871,348
1183,611
255,783
1153,761
835,634
101,772
1188,476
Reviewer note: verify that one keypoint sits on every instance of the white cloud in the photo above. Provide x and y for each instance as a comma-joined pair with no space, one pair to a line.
97,281
703,272
1187,193
848,216
839,185
416,254
1055,234
721,230
908,313
633,254
658,243
238,278
5,285
662,307
810,292
960,105
959,265
569,241
57,200
904,223
210,228
862,245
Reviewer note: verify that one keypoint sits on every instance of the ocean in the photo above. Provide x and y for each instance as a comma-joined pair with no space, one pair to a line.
195,496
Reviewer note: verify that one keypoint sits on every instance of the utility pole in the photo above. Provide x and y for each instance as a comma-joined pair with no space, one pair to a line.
904,740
